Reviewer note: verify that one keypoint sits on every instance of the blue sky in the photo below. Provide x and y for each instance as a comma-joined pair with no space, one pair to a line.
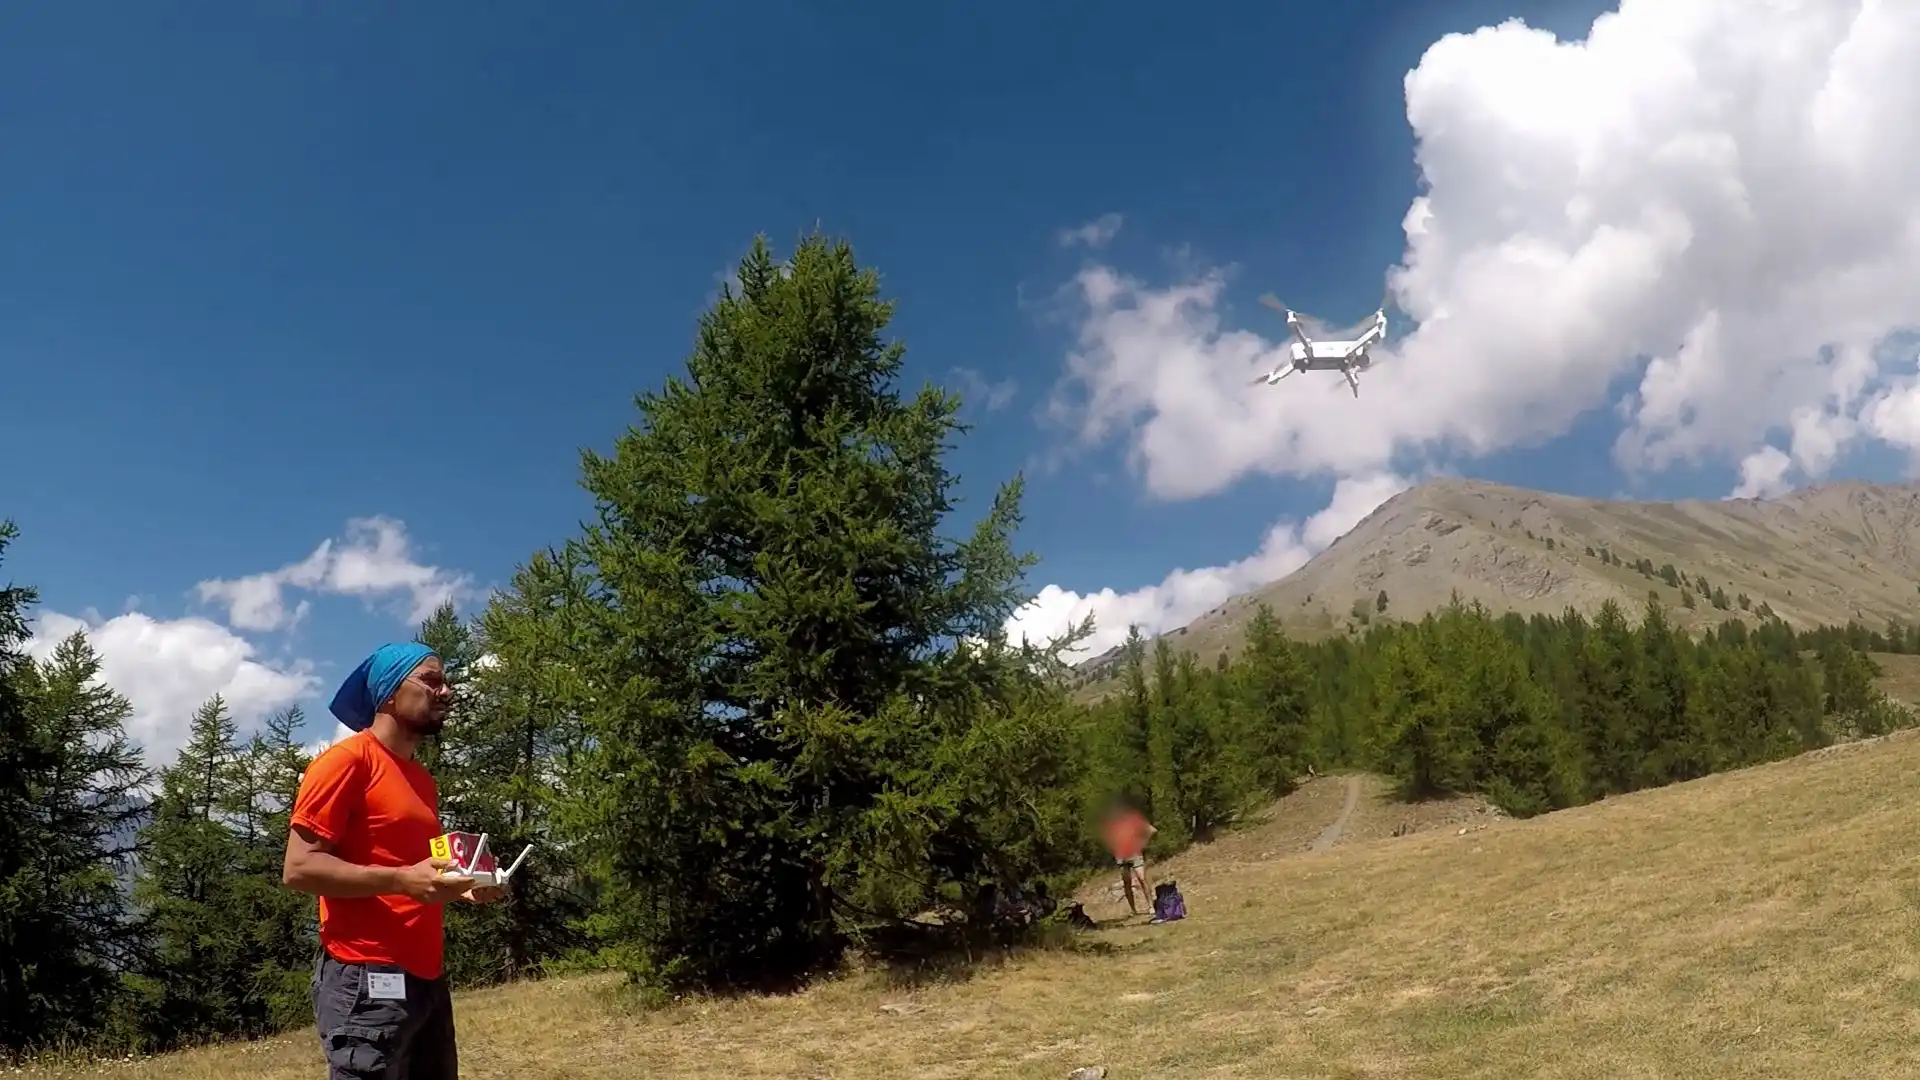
283,268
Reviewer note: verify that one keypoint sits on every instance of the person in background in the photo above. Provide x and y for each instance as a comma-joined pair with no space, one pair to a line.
360,837
1126,831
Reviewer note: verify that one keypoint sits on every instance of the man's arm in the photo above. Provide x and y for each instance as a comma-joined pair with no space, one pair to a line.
328,805
312,867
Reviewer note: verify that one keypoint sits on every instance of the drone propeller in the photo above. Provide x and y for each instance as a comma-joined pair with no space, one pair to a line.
1271,378
1272,302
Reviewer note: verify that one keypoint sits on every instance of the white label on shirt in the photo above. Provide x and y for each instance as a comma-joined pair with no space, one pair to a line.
384,986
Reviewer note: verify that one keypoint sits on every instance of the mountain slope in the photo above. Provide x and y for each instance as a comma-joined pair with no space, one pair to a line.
1824,554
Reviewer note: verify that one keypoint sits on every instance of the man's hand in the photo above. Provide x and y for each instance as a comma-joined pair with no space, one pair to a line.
484,894
424,882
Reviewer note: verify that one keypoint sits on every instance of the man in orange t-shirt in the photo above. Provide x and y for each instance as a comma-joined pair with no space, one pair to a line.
1126,831
359,840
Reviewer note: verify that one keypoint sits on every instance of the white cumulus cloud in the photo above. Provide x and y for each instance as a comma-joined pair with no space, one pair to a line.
1097,233
976,389
373,560
1716,200
166,669
1186,594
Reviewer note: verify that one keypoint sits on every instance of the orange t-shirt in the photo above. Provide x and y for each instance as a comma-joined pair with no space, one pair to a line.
376,809
1127,835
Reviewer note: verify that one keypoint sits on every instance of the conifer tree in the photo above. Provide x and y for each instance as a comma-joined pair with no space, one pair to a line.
1208,755
1607,727
1167,714
229,952
1526,761
198,982
445,633
23,757
800,714
282,925
1133,749
1672,748
1273,692
1851,699
1425,739
69,781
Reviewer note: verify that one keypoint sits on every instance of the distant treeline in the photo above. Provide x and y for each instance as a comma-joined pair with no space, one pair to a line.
1536,714
760,713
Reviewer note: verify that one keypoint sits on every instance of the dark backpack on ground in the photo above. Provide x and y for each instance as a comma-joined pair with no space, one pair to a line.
1168,904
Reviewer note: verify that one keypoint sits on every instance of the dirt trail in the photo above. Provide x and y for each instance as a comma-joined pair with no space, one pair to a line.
1331,834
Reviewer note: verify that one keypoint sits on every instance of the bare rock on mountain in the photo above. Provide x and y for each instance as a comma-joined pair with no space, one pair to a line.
1823,554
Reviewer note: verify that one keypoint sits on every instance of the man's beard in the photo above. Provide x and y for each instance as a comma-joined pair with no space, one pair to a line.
429,724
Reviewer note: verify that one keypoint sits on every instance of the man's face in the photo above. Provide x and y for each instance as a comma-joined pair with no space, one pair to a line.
422,700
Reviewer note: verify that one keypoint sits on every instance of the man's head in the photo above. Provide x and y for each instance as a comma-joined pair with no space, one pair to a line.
420,702
406,680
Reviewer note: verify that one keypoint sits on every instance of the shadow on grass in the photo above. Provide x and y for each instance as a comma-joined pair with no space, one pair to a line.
899,957
922,955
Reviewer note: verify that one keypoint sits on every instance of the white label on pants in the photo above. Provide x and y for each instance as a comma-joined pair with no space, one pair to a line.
384,986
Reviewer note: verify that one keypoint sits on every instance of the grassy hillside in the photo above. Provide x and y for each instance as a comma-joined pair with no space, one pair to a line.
1821,555
1899,677
1755,923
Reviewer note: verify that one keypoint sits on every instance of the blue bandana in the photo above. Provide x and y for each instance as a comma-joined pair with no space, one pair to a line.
374,681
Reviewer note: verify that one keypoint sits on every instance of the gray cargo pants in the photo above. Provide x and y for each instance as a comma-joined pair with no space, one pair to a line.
367,1037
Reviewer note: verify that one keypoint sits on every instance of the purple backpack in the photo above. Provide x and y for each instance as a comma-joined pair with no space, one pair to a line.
1168,904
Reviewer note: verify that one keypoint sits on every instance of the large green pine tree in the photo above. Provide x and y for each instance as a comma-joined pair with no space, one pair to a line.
800,714
1673,746
69,781
281,925
1847,676
1167,714
1212,756
229,952
1424,735
24,1011
1609,726
1132,748
1274,694
198,983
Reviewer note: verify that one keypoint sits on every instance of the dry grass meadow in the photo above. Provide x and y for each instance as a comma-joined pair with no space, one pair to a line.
1899,677
1753,924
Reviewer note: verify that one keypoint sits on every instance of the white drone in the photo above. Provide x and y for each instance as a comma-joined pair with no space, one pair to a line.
1344,351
